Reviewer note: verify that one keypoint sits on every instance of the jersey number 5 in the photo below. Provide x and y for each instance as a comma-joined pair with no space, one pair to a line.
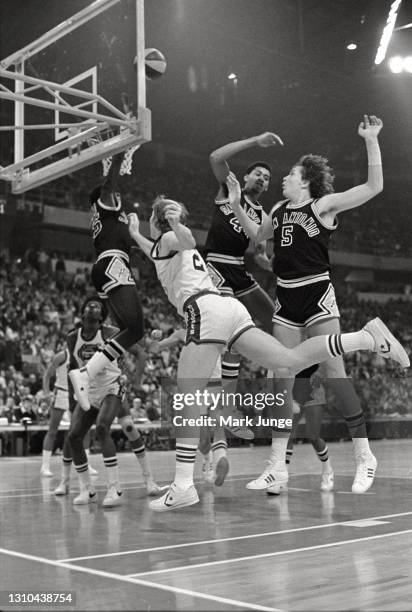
287,235
197,263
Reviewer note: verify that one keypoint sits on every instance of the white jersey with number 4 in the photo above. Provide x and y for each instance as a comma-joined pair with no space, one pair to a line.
182,274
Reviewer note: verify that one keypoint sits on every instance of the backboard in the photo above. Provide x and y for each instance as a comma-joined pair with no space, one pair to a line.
74,96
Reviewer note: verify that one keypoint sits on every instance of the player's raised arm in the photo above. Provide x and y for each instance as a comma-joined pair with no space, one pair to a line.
335,203
218,159
257,233
109,187
261,258
134,230
182,238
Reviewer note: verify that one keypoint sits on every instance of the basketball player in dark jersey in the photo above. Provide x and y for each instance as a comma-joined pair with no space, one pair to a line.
112,278
227,242
301,227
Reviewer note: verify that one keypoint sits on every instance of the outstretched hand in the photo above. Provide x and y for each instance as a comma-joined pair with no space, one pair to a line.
134,223
370,127
172,214
269,139
234,189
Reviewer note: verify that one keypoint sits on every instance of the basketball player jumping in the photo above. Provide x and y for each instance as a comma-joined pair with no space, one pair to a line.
112,278
215,322
301,226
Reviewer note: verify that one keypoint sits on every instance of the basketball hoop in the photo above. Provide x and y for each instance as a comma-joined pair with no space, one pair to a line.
126,165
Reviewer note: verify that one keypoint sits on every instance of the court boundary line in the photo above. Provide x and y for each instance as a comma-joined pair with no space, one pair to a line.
232,539
268,555
138,581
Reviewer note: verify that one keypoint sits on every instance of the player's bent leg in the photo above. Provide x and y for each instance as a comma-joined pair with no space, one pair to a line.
108,410
260,306
196,364
313,414
64,485
56,415
349,403
230,376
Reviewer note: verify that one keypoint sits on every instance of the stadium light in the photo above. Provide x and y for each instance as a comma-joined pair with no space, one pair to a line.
407,64
396,64
387,32
352,46
231,76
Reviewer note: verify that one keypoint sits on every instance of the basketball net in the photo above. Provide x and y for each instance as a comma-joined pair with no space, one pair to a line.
126,165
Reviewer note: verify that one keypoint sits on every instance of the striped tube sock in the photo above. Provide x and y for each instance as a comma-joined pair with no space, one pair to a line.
84,477
139,449
185,463
338,344
112,471
323,455
219,449
289,455
278,452
66,467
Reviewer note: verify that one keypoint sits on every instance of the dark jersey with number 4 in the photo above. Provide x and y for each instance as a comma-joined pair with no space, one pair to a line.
110,228
301,240
226,235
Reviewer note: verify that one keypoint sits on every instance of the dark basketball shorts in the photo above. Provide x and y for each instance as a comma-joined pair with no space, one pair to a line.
230,278
111,270
305,301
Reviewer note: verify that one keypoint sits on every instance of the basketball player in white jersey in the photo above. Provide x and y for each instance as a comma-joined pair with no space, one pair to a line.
106,399
58,367
215,322
301,226
212,444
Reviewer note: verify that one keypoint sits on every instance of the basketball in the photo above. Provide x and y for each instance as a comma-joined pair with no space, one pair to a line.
155,63
156,334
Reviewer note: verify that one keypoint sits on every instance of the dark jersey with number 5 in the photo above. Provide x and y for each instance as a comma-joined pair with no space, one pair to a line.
110,228
301,240
226,235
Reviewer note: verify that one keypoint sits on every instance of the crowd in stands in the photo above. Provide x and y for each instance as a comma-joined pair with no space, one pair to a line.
39,304
381,227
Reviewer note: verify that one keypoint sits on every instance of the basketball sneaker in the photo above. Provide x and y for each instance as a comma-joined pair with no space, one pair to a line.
222,468
63,488
175,498
80,382
152,488
327,481
365,472
275,476
386,345
86,496
113,497
46,473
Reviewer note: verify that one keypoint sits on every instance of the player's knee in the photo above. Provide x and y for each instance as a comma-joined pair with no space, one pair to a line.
102,431
75,438
129,428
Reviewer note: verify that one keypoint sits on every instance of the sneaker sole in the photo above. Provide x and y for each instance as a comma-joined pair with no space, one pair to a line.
281,489
176,506
243,434
91,500
61,494
222,469
396,352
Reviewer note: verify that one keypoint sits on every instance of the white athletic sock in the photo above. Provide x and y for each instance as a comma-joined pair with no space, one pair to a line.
185,463
84,480
46,454
361,446
278,452
112,471
219,449
356,341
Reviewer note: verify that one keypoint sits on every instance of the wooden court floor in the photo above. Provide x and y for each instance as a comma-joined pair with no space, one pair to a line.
236,550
